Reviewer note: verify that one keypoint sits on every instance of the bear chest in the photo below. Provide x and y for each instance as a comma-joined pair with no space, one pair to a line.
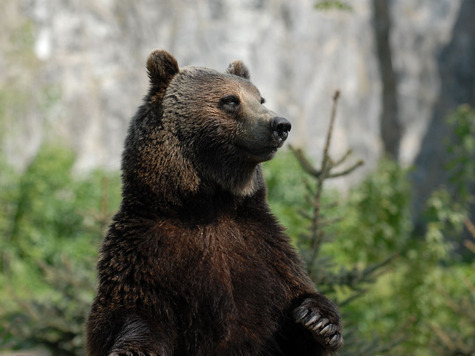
228,263
240,277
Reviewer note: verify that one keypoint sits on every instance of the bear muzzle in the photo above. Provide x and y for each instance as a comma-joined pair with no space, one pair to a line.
280,129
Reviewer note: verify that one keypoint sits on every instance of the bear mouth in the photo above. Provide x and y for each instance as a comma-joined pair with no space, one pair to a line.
266,150
261,154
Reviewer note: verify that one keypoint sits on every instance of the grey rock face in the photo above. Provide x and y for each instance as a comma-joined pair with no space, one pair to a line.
86,70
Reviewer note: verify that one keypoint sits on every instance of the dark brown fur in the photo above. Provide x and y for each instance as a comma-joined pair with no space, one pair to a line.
194,262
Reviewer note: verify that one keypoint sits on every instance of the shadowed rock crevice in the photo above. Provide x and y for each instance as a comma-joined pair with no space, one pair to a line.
456,66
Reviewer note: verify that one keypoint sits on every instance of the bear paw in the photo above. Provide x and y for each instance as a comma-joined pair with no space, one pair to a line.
320,316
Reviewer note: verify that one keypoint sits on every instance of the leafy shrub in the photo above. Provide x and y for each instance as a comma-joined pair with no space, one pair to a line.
376,214
286,192
413,305
51,225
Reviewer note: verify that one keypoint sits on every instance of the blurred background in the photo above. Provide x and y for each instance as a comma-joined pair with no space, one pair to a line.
397,239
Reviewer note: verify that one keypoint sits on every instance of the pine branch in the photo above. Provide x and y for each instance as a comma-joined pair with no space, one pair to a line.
347,171
355,281
343,158
317,236
304,162
353,278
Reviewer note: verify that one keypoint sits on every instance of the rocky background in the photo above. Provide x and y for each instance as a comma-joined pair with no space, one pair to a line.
74,71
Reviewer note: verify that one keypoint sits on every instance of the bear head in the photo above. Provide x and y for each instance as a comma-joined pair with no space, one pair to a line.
200,130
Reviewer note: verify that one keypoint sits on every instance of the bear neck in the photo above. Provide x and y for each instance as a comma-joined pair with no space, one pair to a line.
203,206
200,199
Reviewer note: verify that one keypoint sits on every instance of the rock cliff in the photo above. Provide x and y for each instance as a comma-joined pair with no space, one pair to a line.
74,70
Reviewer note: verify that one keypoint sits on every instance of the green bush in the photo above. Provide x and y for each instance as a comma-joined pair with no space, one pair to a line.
51,225
409,306
286,191
376,215
462,154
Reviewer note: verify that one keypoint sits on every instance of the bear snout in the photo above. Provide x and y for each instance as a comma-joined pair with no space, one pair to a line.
280,129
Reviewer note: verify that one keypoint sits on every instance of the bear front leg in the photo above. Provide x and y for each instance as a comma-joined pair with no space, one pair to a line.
320,316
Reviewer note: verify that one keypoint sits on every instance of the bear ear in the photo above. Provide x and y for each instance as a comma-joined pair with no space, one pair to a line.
161,67
238,68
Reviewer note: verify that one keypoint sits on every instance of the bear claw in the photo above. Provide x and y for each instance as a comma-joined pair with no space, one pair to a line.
322,322
335,341
313,319
327,330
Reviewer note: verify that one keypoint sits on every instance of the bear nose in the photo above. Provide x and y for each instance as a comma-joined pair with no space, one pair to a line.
280,128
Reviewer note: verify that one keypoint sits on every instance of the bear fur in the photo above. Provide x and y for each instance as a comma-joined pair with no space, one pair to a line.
194,262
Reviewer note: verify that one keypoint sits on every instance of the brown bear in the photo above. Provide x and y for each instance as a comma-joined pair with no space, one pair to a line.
194,262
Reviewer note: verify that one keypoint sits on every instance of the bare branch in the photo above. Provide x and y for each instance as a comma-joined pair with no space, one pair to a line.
304,163
347,171
317,235
343,159
326,156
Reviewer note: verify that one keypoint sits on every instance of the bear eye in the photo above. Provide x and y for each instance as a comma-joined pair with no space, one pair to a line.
229,102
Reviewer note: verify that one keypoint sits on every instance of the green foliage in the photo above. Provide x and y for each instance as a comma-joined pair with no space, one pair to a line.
286,189
326,5
376,214
56,319
23,39
49,213
453,206
426,279
12,105
421,301
51,224
462,152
